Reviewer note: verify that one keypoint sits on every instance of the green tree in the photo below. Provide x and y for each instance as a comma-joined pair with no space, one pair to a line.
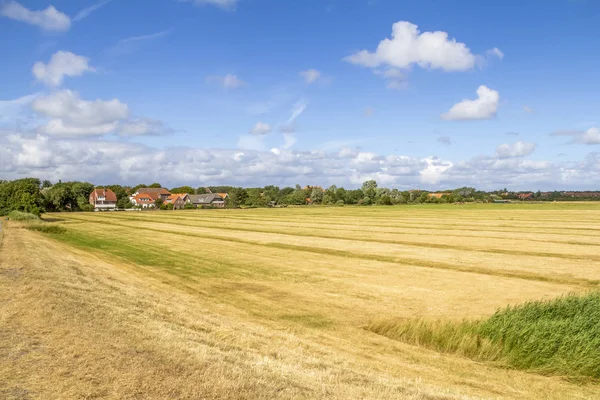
316,195
124,203
155,185
237,197
21,195
183,189
158,202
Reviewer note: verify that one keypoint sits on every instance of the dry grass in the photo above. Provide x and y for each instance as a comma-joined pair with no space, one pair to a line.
273,303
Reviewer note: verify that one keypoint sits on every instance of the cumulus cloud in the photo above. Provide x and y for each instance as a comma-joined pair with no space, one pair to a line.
49,19
310,75
61,64
484,107
408,47
103,161
72,116
517,149
260,129
69,116
228,81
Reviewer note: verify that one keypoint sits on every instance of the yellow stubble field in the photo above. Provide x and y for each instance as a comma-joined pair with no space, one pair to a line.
273,303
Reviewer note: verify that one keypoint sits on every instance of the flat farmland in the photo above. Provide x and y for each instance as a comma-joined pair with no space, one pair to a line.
274,303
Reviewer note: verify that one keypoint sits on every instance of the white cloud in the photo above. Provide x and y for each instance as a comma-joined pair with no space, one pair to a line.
260,129
495,52
102,161
49,19
84,13
61,64
528,109
71,116
310,75
484,107
434,171
228,81
408,46
590,136
517,149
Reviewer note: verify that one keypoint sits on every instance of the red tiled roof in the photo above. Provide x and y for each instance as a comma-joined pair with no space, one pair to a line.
144,198
108,194
156,191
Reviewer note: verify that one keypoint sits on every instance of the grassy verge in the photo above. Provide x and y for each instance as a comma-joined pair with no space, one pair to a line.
558,337
22,216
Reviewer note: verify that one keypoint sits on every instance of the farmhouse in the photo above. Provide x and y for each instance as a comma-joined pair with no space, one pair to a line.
144,200
207,200
178,200
155,192
103,199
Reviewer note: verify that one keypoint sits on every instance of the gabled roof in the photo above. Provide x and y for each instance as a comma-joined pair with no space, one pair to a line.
108,194
160,191
145,198
205,198
174,197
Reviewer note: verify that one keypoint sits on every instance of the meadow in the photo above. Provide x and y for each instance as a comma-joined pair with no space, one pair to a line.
401,302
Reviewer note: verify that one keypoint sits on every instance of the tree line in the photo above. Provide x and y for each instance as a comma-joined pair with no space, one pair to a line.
35,196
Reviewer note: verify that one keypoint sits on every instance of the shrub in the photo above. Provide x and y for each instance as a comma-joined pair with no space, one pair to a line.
46,228
560,336
22,216
340,203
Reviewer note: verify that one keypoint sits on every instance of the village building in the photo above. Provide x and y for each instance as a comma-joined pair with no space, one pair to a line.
144,200
103,199
207,200
155,192
178,200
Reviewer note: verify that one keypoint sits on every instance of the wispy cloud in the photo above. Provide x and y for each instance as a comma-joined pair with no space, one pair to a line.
228,81
133,43
224,4
290,124
84,13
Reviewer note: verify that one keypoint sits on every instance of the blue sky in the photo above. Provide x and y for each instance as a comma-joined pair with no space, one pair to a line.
253,92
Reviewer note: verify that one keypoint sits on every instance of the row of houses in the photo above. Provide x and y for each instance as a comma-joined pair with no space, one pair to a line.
105,199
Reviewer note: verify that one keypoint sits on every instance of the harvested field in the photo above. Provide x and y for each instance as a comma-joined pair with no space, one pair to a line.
274,303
